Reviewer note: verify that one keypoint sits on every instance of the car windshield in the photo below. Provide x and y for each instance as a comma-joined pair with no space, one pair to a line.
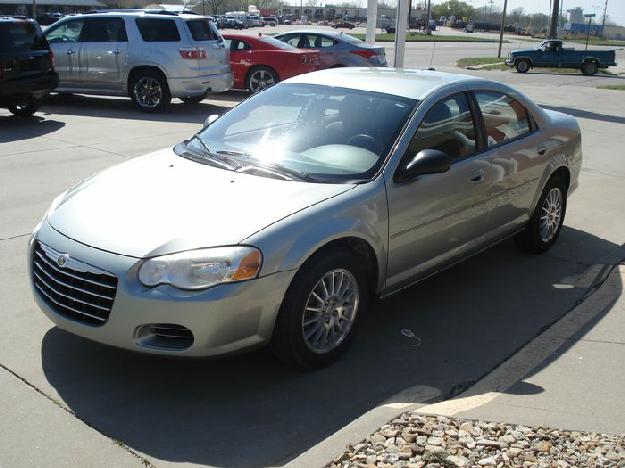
348,38
276,43
328,134
20,35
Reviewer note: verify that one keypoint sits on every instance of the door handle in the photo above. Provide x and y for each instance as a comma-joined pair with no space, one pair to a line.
541,150
112,52
477,176
69,52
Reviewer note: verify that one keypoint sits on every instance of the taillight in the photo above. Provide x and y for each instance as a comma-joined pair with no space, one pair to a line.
193,53
366,53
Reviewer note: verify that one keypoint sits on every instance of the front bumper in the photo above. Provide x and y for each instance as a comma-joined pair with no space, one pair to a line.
200,85
223,319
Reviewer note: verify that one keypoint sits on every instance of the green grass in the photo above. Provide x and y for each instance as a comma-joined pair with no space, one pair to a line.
418,37
617,87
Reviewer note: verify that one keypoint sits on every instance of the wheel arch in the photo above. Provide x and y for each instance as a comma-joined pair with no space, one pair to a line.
142,68
256,67
525,58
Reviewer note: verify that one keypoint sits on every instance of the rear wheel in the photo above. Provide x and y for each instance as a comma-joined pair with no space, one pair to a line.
321,309
25,109
260,78
589,68
149,91
522,66
544,227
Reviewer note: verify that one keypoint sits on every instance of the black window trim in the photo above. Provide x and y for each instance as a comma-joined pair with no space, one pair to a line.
531,123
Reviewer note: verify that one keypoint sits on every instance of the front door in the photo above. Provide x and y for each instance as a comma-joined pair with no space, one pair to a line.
436,218
64,40
104,54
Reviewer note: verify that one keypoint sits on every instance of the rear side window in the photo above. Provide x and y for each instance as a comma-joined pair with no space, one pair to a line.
504,118
69,31
104,30
21,35
203,30
158,30
448,126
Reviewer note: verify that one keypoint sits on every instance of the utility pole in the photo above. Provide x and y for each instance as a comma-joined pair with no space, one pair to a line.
427,17
590,17
605,15
553,26
503,19
35,10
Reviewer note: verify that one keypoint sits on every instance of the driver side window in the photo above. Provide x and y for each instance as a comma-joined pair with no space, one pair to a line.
69,31
449,127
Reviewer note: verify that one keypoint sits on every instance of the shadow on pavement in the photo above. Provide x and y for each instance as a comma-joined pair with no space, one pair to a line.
113,107
583,114
15,128
249,410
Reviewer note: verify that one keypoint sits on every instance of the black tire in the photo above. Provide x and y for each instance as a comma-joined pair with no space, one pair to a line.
589,68
26,109
259,78
288,342
146,99
522,66
192,99
531,239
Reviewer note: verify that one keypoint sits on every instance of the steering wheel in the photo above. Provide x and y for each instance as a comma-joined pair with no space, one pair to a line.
362,140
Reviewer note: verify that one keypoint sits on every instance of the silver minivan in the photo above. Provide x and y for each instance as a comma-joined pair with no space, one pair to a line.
149,57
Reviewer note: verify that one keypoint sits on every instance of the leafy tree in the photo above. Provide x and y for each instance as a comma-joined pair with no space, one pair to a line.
455,8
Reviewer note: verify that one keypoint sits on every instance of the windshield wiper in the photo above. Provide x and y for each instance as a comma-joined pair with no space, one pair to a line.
227,163
271,167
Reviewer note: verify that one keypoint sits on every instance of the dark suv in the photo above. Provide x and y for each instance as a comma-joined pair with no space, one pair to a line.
26,66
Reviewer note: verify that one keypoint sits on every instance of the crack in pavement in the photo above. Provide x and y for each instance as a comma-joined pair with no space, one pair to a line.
15,237
59,404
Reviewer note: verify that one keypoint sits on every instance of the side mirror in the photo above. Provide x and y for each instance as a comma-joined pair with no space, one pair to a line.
210,119
427,161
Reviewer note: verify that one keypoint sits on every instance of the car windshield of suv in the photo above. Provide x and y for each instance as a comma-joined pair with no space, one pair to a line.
327,134
20,35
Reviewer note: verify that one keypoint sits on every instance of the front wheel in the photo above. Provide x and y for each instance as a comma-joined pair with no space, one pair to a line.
522,66
149,91
260,78
544,227
25,109
321,309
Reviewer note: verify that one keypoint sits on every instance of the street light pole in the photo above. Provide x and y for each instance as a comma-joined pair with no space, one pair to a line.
503,19
553,25
34,10
590,17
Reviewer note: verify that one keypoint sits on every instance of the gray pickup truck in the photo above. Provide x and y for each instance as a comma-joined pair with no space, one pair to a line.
551,54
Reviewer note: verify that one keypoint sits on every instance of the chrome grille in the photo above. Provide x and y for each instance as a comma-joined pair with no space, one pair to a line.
72,288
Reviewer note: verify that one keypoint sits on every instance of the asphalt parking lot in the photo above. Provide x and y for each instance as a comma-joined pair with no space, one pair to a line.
68,401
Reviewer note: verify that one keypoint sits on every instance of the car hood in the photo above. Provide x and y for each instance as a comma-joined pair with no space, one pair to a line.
163,203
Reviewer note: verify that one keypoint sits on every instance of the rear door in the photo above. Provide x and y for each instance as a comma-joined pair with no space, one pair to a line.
212,54
23,50
64,40
104,53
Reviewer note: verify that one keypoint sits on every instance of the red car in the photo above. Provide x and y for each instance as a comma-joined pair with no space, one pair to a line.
259,61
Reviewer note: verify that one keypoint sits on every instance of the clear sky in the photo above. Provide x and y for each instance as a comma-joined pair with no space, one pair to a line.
616,8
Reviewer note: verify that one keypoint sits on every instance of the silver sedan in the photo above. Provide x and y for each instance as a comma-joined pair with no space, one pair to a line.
283,219
336,49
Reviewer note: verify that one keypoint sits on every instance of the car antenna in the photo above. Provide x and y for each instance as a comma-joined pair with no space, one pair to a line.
431,68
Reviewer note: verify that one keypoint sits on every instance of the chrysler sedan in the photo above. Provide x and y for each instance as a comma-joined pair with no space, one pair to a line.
284,218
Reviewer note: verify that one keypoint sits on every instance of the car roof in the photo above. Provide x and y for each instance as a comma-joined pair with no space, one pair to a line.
408,83
327,32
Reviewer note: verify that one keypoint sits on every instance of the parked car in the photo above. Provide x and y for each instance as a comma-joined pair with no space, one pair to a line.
230,23
147,56
260,61
46,19
26,66
551,54
285,217
336,49
343,24
269,21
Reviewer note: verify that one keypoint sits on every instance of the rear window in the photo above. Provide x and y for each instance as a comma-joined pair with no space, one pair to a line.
21,35
276,43
348,38
203,30
158,30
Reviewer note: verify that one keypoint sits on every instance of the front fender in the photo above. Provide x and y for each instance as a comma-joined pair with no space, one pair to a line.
359,213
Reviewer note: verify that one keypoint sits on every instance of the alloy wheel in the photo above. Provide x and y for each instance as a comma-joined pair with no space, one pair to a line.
260,79
551,213
148,92
330,311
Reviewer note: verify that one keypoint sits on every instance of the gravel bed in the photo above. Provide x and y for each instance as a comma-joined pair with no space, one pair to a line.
417,441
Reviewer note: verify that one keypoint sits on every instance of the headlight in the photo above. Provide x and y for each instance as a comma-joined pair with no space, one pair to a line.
202,268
